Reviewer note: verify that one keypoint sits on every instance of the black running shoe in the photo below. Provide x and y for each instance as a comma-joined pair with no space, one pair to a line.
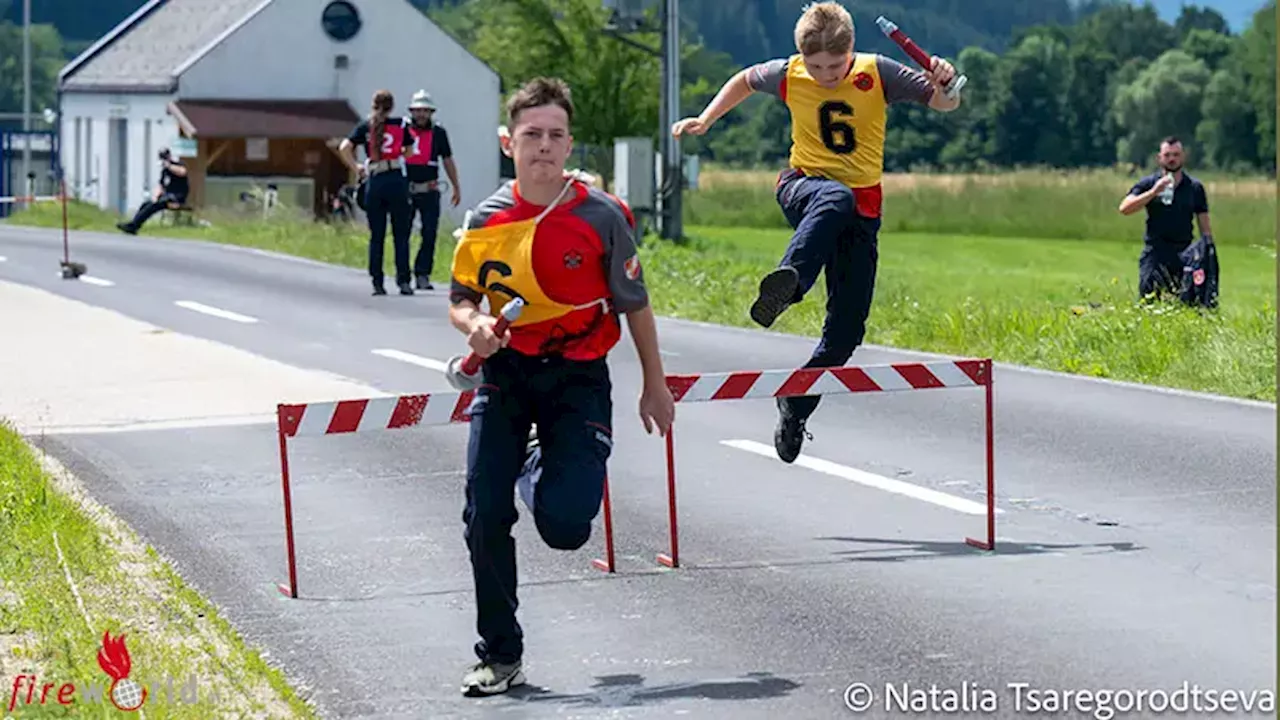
777,290
789,435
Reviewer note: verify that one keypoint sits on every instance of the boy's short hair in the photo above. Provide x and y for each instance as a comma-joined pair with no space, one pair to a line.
824,27
538,92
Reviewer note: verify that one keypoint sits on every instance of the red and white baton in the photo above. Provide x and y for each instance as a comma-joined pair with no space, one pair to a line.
921,57
464,373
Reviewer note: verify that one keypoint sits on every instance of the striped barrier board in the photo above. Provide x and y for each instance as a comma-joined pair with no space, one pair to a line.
895,377
366,415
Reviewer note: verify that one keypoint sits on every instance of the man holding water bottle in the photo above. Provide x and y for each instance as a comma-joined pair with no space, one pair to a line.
1171,198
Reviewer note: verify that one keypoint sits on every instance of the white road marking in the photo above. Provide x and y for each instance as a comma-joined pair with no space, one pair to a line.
215,312
3,258
101,282
868,479
412,359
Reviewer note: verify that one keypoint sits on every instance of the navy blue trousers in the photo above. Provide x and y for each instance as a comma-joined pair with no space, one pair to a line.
387,195
831,238
571,404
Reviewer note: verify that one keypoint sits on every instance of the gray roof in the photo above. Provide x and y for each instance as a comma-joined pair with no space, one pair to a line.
143,53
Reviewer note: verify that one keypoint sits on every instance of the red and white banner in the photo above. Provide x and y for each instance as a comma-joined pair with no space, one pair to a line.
827,381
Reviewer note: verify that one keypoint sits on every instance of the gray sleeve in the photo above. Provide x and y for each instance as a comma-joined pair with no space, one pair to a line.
622,262
767,76
902,84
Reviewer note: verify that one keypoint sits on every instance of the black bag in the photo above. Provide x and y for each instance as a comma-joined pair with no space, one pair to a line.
1200,274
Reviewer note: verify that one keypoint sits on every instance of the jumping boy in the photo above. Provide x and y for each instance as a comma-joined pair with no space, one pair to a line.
831,193
567,250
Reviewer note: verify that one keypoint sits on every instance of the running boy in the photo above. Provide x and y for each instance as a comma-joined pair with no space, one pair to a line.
831,192
567,250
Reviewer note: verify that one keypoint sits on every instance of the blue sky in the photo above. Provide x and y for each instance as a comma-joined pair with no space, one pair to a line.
1237,12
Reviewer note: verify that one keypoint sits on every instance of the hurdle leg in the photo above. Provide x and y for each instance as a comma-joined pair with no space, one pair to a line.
607,564
292,590
672,560
990,544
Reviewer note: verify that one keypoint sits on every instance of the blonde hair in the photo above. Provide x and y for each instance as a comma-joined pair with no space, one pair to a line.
824,27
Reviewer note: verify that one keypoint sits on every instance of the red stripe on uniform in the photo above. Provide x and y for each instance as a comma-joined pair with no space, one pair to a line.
978,370
855,379
679,384
799,382
919,376
346,416
735,387
408,412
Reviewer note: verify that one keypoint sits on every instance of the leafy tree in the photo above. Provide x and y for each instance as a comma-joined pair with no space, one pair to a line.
1165,99
46,60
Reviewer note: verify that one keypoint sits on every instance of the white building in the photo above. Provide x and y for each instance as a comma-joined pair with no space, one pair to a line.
262,90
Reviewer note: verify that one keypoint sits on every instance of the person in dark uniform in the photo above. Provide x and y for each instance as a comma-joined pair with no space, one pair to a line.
173,189
568,249
429,141
1171,198
384,139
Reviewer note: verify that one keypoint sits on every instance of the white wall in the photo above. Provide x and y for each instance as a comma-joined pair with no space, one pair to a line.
284,53
84,155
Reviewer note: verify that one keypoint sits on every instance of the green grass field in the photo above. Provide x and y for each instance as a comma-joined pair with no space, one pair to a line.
52,542
1034,268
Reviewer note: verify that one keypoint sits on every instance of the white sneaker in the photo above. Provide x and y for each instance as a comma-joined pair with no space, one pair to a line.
527,481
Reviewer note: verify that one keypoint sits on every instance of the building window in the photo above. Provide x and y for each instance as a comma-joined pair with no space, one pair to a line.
340,19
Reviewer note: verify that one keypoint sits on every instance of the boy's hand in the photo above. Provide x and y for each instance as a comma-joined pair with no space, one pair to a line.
482,339
657,407
941,73
691,126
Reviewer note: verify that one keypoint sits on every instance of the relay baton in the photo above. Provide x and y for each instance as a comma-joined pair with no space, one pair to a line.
952,88
463,372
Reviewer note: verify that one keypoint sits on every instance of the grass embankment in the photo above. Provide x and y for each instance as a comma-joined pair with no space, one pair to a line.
1025,204
1033,268
53,539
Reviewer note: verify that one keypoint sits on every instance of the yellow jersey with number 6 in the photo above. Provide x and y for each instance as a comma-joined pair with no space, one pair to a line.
838,133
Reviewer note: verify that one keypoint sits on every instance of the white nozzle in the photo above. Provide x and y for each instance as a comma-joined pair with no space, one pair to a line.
886,27
459,380
512,309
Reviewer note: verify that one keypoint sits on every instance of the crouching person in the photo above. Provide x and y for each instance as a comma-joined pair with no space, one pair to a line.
567,250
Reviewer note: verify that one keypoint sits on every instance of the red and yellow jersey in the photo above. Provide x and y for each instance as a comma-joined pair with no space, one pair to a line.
575,266
839,133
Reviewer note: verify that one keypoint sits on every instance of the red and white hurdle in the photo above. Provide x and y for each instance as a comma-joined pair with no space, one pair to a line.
445,408
896,377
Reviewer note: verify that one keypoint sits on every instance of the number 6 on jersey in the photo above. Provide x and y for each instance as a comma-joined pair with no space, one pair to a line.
838,136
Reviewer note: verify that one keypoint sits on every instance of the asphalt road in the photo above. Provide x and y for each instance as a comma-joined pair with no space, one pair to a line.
1136,540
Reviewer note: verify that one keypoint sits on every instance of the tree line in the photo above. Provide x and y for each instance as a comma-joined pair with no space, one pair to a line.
1093,84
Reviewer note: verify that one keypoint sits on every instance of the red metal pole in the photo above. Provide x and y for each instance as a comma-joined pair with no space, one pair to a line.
991,462
672,560
292,590
606,565
990,544
66,245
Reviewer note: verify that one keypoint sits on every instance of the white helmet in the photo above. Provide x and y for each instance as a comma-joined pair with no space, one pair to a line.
421,99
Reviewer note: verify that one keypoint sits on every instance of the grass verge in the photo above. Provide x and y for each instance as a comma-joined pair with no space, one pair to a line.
1065,305
70,571
1076,205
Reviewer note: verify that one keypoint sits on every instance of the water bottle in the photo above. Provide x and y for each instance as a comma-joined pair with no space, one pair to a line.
1166,195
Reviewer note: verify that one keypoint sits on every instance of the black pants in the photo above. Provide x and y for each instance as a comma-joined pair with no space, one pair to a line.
571,404
831,238
1160,268
387,194
427,205
151,207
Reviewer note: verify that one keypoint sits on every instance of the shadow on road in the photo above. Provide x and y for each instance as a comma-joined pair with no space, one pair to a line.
629,690
901,550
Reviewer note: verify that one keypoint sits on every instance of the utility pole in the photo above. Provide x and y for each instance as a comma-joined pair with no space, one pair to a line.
26,94
672,158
